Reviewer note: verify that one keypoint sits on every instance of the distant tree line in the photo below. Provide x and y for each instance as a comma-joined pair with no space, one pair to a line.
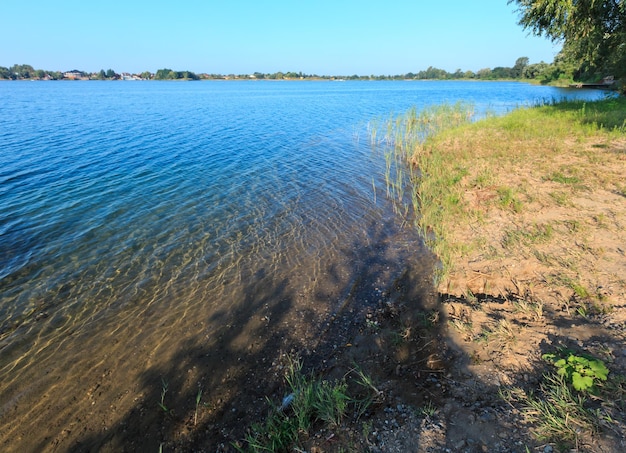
25,71
561,70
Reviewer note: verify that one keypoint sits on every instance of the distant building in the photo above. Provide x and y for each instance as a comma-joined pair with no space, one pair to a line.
74,75
128,76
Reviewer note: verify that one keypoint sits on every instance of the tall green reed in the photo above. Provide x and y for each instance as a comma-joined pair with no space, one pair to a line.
418,178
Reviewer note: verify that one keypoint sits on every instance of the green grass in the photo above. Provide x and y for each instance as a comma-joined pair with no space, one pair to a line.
534,310
559,413
164,388
427,410
561,198
563,179
432,191
442,154
574,400
508,199
526,236
310,403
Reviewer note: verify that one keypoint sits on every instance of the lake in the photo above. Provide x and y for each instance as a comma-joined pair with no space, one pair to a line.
191,233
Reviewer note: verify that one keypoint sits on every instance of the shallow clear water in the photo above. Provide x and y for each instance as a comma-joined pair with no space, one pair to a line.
138,207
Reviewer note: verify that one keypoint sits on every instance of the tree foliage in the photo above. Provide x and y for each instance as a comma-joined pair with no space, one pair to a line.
593,32
168,74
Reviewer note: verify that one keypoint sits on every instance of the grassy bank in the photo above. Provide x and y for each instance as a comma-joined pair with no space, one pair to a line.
465,171
527,214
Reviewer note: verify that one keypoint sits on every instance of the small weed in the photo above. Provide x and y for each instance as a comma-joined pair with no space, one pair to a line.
483,179
532,309
582,371
366,430
561,198
616,387
198,398
508,200
534,234
600,220
580,290
427,410
563,179
164,386
471,298
464,327
502,332
574,226
372,394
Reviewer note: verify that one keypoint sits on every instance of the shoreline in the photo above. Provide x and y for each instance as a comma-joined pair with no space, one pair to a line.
538,218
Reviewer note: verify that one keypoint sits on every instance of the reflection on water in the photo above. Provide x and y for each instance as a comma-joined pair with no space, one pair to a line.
139,223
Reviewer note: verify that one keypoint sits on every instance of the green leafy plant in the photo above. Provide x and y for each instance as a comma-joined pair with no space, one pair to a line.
582,371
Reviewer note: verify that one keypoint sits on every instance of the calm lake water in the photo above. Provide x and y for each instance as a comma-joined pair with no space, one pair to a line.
136,217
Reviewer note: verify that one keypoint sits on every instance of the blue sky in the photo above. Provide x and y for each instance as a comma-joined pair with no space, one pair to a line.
325,37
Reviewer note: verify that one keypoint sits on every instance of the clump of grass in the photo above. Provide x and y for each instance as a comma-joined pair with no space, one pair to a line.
415,168
532,309
558,413
561,198
563,179
527,236
464,327
508,199
310,402
427,410
502,333
561,409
